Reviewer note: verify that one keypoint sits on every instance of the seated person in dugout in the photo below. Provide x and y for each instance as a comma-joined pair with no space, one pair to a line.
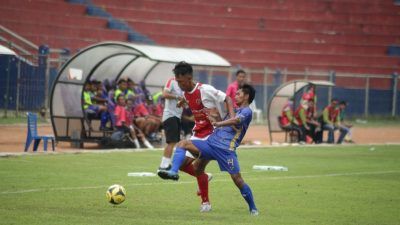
124,123
100,97
330,121
148,123
344,124
123,89
313,134
288,122
100,111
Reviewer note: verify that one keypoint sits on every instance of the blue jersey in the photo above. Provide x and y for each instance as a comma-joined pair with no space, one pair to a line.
230,137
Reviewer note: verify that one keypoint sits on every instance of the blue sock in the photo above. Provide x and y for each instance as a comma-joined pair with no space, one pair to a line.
178,159
248,196
103,119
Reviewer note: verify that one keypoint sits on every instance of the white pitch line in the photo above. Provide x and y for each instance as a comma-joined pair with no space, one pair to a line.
192,182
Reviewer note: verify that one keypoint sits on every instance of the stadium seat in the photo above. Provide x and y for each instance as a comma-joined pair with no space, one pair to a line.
33,135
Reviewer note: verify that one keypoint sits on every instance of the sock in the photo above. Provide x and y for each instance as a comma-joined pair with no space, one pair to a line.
103,119
178,159
248,196
202,181
147,144
137,145
165,162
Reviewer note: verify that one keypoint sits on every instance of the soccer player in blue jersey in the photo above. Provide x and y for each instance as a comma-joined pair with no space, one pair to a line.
221,146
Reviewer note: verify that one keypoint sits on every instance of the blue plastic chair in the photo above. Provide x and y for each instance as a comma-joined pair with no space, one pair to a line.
33,135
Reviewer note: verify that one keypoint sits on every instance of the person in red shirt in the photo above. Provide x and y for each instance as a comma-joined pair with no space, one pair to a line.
288,122
233,87
331,121
207,105
124,122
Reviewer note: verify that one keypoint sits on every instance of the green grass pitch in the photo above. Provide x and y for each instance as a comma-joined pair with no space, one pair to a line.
324,185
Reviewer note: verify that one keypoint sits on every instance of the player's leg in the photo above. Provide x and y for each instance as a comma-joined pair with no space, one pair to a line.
331,129
179,157
133,136
203,179
227,161
246,192
343,132
172,131
180,154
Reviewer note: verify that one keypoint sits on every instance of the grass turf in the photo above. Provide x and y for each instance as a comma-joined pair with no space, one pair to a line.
324,185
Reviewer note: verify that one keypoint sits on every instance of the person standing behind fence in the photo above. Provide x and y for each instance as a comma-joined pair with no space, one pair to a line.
233,87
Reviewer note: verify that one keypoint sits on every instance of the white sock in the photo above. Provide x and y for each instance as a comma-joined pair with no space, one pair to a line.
165,162
136,142
147,144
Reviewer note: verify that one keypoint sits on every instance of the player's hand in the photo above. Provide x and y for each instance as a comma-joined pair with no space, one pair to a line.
212,115
215,124
180,102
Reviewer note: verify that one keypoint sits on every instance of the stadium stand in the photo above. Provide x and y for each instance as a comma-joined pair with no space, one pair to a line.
341,35
57,24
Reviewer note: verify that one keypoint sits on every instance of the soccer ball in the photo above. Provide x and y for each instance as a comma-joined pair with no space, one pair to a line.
116,194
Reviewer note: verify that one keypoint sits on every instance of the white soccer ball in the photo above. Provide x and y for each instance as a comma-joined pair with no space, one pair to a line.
116,194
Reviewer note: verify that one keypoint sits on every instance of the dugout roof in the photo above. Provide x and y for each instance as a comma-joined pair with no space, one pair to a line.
6,51
113,60
282,95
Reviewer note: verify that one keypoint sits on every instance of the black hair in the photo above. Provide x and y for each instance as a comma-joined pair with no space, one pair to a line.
334,100
119,96
343,103
121,80
248,89
183,68
240,71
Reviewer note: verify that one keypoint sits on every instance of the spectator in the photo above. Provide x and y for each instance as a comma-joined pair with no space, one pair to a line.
288,122
301,118
310,95
123,89
314,126
344,124
124,124
93,109
330,121
134,130
233,87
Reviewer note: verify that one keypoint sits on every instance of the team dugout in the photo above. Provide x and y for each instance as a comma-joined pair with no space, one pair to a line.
111,61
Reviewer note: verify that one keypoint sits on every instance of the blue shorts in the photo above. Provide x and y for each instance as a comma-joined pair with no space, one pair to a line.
227,159
93,109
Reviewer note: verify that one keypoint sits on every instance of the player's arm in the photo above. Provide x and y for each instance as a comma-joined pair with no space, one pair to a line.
99,99
238,119
168,95
228,122
229,106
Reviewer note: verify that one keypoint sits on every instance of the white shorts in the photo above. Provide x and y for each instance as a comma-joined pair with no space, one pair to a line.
190,155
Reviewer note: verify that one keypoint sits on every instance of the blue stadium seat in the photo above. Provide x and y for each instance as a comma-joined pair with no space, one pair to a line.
33,135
